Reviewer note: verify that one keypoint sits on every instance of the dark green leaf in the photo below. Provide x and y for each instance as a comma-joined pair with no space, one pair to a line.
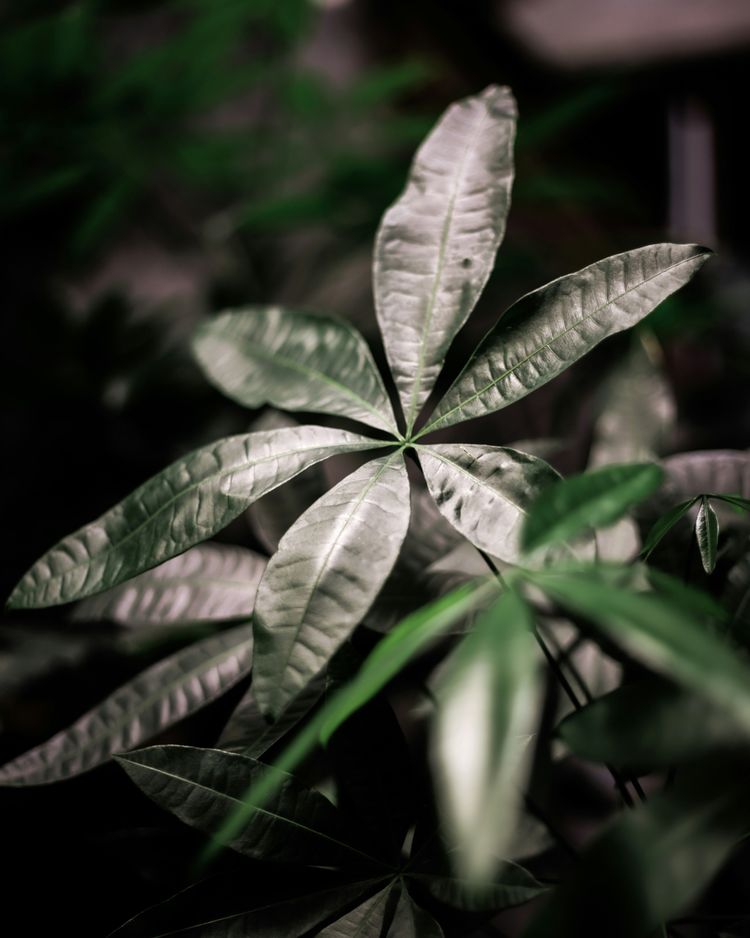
664,525
707,534
410,921
157,698
512,885
742,503
547,330
365,921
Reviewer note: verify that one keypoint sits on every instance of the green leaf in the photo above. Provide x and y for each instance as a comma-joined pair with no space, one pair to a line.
485,491
154,700
649,864
742,503
326,574
410,921
203,786
664,525
365,921
488,707
658,633
593,499
210,581
296,361
707,534
651,725
512,885
549,329
437,243
184,504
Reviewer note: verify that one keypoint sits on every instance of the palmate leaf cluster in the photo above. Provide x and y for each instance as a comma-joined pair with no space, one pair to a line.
345,549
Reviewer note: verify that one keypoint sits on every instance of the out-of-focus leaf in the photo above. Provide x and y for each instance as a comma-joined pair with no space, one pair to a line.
184,504
210,581
485,491
203,786
488,708
593,499
707,534
736,595
704,471
512,885
157,698
326,574
549,329
743,504
365,921
410,921
436,244
649,724
295,361
664,525
649,864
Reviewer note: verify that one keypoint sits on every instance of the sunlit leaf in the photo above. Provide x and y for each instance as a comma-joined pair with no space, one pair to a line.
160,696
437,243
186,503
549,329
327,571
488,708
707,534
296,361
485,491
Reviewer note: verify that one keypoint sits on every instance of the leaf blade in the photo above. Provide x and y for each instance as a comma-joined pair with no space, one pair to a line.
707,534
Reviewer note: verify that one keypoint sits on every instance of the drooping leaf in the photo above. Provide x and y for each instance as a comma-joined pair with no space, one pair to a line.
488,708
660,634
437,243
650,724
365,921
549,329
328,570
186,503
203,786
664,525
295,361
707,534
485,491
649,864
512,885
593,499
411,921
160,696
209,581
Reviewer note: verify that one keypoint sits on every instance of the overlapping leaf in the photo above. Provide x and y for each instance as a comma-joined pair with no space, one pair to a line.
157,698
367,920
184,504
295,361
436,244
411,921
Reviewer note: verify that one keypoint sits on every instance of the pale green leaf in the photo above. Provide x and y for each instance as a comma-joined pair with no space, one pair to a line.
488,708
707,534
186,503
367,920
154,700
593,499
328,569
485,491
549,329
209,581
295,361
437,243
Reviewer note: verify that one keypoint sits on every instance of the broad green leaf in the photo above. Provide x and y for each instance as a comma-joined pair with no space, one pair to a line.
549,329
437,243
485,491
591,500
488,707
203,786
512,885
365,921
186,503
295,361
410,921
650,864
707,534
209,581
652,725
324,577
160,696
664,525
658,633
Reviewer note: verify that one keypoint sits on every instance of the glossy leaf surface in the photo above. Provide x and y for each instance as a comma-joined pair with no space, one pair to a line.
593,499
186,503
436,244
488,707
209,581
295,361
707,534
160,696
549,329
485,491
327,571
